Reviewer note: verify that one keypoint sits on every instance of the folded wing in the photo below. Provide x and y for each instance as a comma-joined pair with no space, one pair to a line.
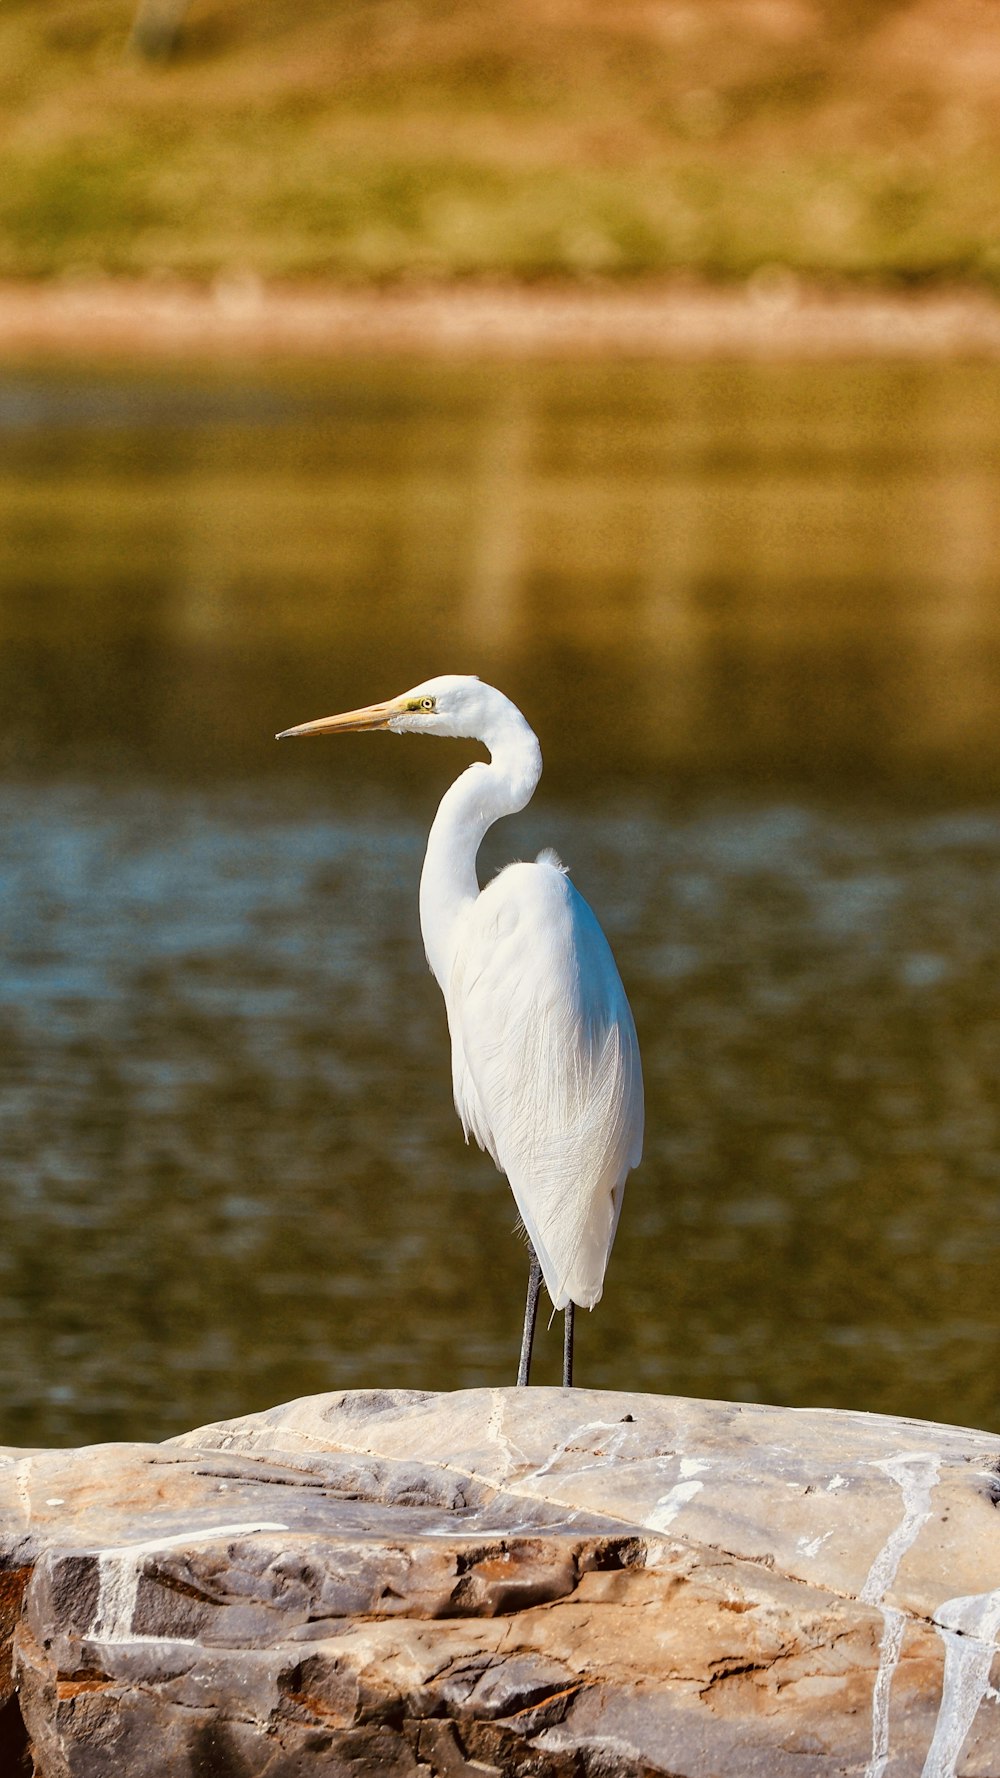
546,1067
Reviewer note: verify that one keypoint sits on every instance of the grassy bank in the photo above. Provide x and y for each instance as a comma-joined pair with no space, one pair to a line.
390,139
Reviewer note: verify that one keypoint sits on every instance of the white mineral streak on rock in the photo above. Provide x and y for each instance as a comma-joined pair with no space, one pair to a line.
968,1628
693,1466
811,1546
916,1473
497,1433
835,1482
894,1623
120,1571
567,1444
669,1505
21,1484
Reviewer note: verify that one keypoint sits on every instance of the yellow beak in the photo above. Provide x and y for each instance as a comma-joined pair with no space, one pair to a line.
372,716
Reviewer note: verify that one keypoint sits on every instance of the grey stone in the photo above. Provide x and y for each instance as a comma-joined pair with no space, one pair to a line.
562,1583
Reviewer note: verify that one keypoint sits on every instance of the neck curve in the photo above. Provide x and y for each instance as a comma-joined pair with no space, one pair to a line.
480,796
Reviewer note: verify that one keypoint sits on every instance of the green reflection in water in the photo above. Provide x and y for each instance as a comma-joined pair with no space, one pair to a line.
753,614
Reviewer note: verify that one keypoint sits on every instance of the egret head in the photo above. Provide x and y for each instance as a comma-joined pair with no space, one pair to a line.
452,704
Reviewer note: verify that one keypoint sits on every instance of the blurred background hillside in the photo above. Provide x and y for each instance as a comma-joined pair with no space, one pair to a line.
433,139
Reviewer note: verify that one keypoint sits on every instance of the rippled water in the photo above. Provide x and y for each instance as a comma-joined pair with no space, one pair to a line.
754,616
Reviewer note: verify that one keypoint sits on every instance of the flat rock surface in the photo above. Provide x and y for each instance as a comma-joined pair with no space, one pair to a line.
564,1583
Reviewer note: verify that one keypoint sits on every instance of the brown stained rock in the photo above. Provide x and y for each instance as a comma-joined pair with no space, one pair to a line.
13,1582
566,1584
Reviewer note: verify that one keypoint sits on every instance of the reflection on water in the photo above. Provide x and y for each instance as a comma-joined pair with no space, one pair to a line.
778,573
754,616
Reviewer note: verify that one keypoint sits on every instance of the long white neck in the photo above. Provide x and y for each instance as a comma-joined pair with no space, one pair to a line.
448,883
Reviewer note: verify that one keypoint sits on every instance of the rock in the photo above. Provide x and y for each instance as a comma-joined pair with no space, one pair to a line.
562,1583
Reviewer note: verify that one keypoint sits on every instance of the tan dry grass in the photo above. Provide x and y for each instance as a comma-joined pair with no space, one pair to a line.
386,139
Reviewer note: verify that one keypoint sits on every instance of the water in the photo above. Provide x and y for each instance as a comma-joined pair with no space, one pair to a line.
753,614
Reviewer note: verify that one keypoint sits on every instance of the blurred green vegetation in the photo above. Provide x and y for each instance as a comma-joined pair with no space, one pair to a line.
381,139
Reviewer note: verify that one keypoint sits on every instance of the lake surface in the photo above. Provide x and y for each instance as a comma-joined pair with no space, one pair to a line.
754,616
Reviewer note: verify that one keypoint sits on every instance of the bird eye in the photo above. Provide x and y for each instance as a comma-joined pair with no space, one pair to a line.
427,703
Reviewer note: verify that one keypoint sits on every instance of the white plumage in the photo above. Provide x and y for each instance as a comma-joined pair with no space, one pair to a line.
545,1062
546,1067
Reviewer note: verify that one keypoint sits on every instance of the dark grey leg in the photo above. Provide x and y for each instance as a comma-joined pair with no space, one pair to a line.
530,1317
568,1345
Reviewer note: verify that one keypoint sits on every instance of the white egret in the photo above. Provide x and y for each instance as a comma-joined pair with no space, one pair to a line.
545,1063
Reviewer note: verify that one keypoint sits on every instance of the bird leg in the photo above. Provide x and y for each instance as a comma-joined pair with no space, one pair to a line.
530,1317
568,1346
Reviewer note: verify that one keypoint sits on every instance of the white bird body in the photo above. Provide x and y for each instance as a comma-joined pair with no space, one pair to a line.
546,1067
545,1062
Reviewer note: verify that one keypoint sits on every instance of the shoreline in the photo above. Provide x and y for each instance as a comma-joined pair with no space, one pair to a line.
772,318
